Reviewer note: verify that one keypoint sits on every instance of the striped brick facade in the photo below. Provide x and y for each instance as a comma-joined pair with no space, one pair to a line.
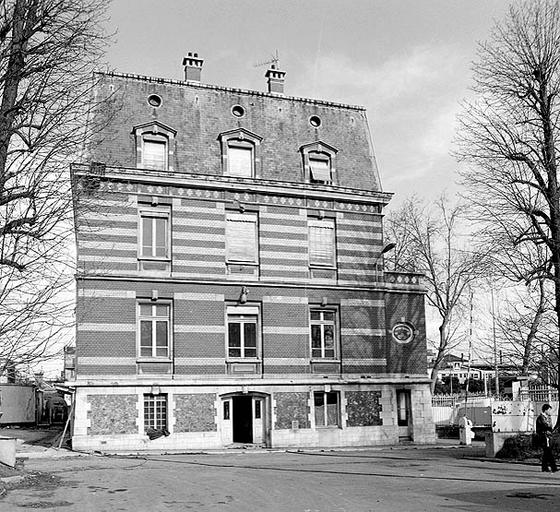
280,390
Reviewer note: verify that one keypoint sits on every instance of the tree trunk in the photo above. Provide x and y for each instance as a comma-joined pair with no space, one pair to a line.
528,349
440,353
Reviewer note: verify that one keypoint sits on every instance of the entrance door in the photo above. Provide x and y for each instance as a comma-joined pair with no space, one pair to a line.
242,419
404,416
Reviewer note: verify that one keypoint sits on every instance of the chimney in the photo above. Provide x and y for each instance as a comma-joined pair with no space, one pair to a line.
275,80
193,67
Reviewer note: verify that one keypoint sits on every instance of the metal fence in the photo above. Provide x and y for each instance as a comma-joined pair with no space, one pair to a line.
445,407
539,394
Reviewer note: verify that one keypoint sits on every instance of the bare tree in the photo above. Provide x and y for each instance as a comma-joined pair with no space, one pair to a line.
48,50
431,241
522,326
508,133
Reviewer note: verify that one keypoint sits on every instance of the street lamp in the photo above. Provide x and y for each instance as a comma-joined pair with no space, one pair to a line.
386,248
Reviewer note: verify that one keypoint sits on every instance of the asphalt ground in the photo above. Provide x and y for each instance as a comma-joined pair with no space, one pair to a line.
382,479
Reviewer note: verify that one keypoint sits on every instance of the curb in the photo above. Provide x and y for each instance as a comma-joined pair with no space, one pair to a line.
50,453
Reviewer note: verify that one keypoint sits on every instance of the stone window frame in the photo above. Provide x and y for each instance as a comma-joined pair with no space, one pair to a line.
145,261
154,131
160,418
319,150
154,358
242,138
248,217
249,310
335,323
325,395
322,222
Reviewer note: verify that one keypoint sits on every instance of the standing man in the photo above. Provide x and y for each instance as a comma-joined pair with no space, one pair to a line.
544,435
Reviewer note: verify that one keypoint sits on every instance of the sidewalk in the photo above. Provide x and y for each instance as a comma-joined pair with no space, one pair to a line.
43,444
35,443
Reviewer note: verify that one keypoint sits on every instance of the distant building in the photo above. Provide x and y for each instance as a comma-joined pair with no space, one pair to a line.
231,287
458,367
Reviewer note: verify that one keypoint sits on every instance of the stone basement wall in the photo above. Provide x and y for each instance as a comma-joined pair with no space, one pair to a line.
111,419
195,413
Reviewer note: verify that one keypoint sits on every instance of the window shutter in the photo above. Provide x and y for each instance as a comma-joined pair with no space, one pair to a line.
147,236
154,155
321,243
320,170
240,161
242,238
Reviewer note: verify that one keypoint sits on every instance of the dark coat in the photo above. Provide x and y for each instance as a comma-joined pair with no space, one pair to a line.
544,429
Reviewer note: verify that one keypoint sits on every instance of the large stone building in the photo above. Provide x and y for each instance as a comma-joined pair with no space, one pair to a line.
230,285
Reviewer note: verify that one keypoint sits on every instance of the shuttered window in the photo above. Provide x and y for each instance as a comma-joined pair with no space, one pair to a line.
241,238
154,155
320,170
322,242
240,161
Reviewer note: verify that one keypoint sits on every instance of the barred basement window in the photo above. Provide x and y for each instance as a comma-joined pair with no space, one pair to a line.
327,412
155,411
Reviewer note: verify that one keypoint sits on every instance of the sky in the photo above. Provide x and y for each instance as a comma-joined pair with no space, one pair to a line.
407,61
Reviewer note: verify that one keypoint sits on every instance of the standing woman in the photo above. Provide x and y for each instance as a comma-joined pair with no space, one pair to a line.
544,434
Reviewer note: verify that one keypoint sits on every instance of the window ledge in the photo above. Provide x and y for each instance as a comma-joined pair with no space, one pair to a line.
243,360
325,360
154,360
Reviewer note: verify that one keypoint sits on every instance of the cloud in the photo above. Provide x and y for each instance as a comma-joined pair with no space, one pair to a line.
412,100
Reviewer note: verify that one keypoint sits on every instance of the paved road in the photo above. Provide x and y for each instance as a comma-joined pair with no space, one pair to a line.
343,481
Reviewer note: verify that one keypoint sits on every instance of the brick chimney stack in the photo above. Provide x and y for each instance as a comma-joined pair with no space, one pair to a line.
275,80
193,67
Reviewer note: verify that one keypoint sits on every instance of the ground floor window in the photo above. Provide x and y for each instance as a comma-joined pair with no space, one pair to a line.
326,409
155,411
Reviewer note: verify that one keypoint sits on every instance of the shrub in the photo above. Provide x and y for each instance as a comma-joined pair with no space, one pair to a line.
525,446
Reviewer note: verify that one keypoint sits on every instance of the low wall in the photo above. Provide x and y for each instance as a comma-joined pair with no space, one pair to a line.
17,404
8,451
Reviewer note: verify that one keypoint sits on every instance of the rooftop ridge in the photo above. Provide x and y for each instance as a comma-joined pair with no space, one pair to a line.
248,92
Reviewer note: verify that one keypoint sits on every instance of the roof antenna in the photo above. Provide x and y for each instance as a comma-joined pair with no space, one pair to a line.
274,60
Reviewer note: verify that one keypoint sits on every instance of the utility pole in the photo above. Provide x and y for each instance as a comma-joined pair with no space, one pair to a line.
497,373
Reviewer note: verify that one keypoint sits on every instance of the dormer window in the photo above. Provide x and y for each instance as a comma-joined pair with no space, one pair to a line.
320,168
319,163
154,153
154,146
240,153
240,159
